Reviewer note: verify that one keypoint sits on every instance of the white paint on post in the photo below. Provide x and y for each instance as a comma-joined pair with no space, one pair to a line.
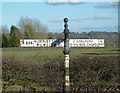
67,61
67,80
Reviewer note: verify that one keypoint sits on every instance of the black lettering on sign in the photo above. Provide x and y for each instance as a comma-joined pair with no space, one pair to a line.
101,44
40,41
37,44
31,42
54,45
26,42
22,42
100,41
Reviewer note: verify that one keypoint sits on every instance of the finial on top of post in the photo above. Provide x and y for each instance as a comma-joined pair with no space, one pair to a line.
66,37
65,19
66,30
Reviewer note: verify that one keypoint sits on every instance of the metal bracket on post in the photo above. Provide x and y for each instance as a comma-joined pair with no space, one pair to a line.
66,54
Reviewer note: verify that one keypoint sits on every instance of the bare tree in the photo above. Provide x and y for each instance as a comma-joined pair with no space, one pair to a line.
4,29
31,28
4,36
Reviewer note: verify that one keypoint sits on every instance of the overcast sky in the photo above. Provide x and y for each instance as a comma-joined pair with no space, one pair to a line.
83,16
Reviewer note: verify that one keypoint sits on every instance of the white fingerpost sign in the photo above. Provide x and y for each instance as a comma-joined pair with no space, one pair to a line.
60,43
66,43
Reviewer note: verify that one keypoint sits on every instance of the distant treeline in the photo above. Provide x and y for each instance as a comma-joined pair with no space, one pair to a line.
111,38
33,29
13,38
27,29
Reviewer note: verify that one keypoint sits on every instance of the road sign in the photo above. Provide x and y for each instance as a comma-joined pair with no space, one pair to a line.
66,43
60,43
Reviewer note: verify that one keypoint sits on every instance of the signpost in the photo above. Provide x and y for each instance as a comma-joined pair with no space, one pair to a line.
66,43
66,54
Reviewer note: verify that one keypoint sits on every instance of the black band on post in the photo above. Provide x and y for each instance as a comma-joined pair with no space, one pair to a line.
66,38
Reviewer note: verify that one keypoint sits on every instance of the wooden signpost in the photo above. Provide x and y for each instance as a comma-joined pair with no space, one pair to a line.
66,43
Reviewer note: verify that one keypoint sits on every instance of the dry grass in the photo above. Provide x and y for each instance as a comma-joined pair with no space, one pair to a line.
87,73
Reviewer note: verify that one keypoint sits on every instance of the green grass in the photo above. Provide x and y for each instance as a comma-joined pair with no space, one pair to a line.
28,54
94,51
45,61
32,53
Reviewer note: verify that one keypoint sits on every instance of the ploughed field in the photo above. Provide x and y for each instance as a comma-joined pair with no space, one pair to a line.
42,69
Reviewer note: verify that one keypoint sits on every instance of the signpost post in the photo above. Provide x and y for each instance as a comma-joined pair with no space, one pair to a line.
66,43
66,54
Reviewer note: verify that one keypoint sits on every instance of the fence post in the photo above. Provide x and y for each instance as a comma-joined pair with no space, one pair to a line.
66,56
